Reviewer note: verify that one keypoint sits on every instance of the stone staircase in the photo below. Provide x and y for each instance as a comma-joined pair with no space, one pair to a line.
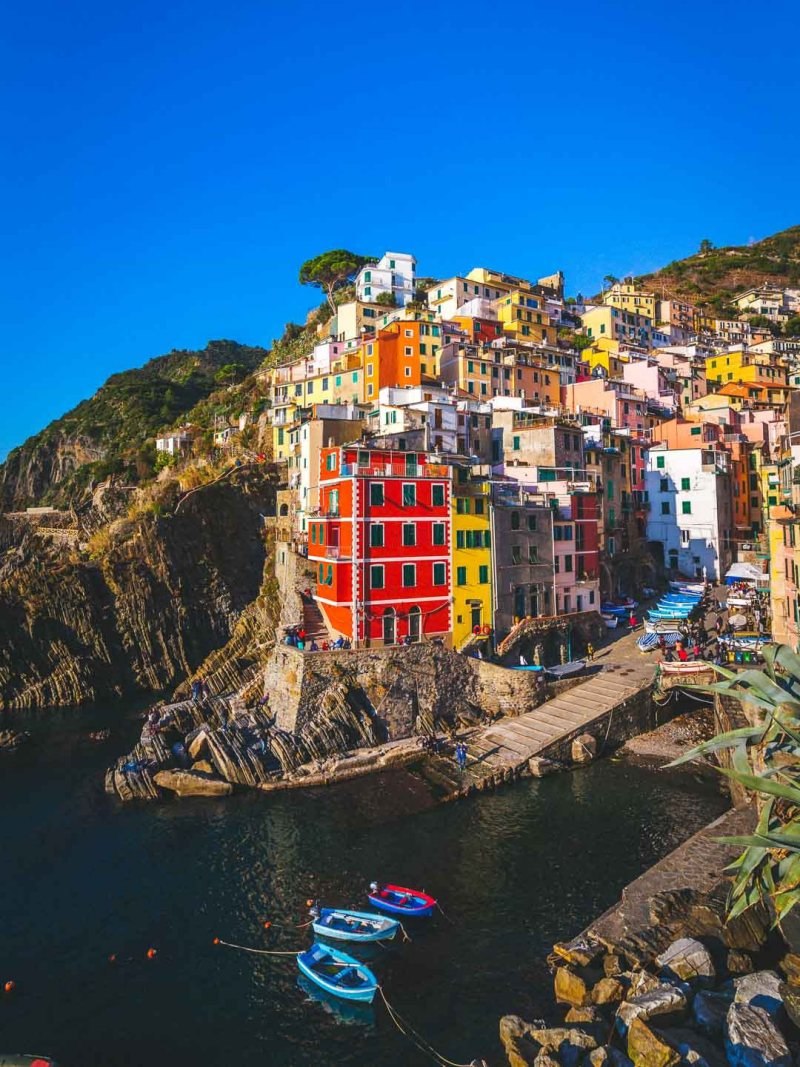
314,622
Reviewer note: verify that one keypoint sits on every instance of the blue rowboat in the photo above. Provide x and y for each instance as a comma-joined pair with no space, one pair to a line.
346,925
399,900
337,973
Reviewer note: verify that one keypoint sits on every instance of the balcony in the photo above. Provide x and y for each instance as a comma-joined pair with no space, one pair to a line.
335,552
394,470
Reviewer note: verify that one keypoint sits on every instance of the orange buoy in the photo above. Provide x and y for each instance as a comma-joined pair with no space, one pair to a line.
309,903
112,958
215,941
267,924
9,986
151,953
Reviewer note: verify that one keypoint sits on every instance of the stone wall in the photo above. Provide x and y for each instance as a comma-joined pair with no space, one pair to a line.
399,686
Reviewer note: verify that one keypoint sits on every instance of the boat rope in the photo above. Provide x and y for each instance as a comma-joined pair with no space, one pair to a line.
259,951
424,1046
608,731
441,909
405,934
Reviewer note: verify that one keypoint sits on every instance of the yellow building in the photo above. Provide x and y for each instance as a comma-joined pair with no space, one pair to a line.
628,298
295,387
523,315
618,324
749,368
472,556
604,353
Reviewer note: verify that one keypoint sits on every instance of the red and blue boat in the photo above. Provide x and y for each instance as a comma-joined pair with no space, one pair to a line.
400,900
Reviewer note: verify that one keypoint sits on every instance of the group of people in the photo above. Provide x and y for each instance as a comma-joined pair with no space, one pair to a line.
296,637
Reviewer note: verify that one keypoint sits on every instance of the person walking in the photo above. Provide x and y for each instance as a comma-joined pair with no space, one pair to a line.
590,652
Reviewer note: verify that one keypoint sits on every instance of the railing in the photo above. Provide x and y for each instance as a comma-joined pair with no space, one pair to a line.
394,470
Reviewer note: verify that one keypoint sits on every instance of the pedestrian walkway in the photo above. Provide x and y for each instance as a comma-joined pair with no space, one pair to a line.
502,751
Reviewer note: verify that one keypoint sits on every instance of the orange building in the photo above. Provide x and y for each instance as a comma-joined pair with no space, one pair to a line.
405,352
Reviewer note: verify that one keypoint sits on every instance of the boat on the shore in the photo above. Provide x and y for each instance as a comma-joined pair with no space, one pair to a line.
652,640
564,670
25,1059
611,621
338,973
345,925
399,900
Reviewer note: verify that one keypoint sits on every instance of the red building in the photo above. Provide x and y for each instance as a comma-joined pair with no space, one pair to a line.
381,545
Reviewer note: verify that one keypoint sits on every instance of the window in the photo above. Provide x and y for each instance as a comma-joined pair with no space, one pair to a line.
567,563
376,577
376,535
376,494
280,436
460,539
409,495
663,485
409,575
313,533
695,432
531,522
330,461
438,533
483,575
514,520
461,575
409,534
516,444
516,554
533,554
686,483
660,461
686,507
462,505
367,275
479,507
439,574
665,508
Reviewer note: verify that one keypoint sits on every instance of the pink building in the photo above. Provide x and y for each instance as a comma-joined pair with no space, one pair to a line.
617,400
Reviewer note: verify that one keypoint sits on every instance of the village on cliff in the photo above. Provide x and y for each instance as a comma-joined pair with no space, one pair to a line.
458,457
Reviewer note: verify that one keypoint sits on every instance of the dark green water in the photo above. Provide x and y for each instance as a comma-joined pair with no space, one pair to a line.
83,878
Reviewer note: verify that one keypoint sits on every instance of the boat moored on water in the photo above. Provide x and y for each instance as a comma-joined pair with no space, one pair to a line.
399,900
337,973
345,925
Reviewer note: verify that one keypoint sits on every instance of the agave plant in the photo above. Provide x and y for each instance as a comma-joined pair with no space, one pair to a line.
764,760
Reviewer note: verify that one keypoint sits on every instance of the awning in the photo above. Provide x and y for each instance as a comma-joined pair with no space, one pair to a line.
743,572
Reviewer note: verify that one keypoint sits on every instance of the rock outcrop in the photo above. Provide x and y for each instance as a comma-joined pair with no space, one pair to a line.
155,593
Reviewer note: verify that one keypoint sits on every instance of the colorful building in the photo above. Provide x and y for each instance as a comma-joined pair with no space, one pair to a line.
381,545
406,352
472,555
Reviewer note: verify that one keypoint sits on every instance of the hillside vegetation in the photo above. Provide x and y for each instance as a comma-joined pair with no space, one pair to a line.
113,432
713,278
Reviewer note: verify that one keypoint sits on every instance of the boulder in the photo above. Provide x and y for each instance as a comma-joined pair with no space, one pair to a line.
612,965
584,1015
198,746
663,1000
647,1049
567,1044
695,1049
540,767
607,1056
688,960
515,1035
579,951
571,989
583,749
738,962
192,784
790,965
762,989
608,991
546,1059
709,1011
791,1002
642,982
12,740
203,767
753,1040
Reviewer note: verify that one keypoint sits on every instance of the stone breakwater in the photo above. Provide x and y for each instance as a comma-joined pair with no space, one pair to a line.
661,980
311,718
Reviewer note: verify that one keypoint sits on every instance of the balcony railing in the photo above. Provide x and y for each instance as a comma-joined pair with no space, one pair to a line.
394,470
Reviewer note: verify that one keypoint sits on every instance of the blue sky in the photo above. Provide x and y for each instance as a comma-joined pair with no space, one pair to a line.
168,167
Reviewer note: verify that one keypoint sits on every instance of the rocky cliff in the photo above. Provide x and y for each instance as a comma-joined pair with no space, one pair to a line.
138,608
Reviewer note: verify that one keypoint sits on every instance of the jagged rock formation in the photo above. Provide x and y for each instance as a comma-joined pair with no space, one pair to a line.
162,590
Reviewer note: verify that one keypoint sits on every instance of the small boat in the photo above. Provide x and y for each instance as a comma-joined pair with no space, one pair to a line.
688,587
650,641
348,1012
25,1059
563,670
400,900
337,973
346,925
611,621
663,626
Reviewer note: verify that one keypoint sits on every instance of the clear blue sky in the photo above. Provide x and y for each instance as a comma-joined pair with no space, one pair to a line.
168,166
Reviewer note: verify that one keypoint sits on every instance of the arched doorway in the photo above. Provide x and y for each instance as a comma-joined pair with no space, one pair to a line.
284,510
389,622
414,624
